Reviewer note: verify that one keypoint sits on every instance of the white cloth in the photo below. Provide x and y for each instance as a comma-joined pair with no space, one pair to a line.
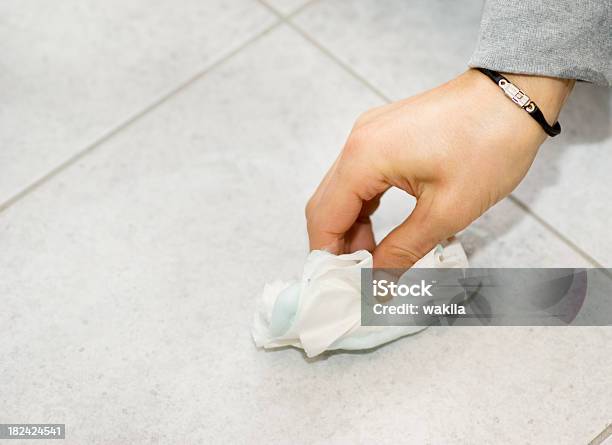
322,310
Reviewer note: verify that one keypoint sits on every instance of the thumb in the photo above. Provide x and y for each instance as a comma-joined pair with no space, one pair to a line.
424,228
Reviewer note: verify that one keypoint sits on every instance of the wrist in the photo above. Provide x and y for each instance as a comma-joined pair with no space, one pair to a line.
550,93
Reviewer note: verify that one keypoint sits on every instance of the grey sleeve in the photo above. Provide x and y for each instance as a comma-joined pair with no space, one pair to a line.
557,38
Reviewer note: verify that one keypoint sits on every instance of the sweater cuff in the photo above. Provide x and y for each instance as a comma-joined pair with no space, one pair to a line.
560,38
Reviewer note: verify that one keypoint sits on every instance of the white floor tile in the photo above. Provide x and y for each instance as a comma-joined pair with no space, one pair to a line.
72,70
506,236
129,284
401,47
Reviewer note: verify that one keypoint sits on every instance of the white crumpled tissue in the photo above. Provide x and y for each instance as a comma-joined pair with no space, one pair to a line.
322,310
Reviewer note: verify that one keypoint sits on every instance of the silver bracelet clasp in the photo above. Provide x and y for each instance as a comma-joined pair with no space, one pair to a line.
514,93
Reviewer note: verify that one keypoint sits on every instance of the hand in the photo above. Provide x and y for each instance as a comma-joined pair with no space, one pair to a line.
458,149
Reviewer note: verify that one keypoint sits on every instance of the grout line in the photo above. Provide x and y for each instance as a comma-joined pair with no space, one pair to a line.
328,53
601,437
282,16
382,96
133,118
555,232
291,14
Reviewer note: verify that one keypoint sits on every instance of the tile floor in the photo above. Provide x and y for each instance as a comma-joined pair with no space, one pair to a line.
154,165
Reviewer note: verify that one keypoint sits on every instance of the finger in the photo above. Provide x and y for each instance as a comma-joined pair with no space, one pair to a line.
426,226
338,203
322,185
361,235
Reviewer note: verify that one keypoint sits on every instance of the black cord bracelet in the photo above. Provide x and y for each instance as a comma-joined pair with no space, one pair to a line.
522,100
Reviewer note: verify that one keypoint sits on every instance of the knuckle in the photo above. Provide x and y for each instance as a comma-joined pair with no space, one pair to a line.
363,118
357,142
370,115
